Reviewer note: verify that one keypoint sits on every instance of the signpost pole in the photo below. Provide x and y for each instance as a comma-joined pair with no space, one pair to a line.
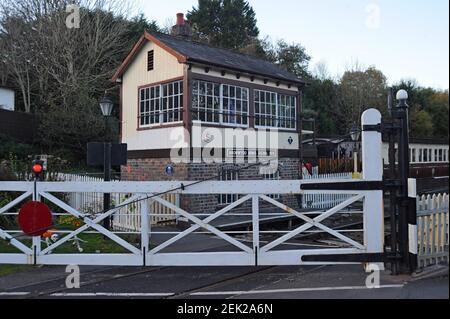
107,178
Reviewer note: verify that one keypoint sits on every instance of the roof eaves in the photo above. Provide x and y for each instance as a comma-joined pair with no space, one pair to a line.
297,81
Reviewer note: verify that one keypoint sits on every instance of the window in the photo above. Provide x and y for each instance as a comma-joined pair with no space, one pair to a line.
149,105
150,60
275,110
420,155
234,105
440,155
425,155
265,108
206,102
273,177
413,155
287,110
228,175
435,155
172,102
220,103
161,104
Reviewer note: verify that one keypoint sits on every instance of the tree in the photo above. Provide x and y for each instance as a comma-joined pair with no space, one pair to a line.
421,123
426,104
321,100
293,58
360,90
229,24
63,72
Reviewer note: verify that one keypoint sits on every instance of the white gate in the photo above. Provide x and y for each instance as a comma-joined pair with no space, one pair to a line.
252,250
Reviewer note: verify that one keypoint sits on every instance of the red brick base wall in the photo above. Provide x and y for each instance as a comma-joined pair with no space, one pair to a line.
154,170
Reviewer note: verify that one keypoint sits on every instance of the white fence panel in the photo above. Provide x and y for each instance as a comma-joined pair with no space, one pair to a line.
325,200
432,225
127,218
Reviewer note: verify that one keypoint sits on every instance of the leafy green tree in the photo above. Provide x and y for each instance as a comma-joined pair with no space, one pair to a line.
433,102
421,123
225,23
360,90
321,102
293,57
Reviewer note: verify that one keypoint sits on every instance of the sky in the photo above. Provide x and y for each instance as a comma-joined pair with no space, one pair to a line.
406,39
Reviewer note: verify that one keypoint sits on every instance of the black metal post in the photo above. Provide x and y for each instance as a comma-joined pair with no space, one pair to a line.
405,215
107,175
393,201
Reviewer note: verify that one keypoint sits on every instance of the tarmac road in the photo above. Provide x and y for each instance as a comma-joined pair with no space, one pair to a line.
294,282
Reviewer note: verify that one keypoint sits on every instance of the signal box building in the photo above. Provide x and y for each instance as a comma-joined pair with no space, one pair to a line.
180,94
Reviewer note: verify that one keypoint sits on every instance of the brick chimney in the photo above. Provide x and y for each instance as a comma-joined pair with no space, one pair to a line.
182,29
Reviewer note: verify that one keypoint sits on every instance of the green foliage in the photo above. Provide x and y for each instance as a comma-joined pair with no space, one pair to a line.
225,23
293,58
360,90
421,123
429,110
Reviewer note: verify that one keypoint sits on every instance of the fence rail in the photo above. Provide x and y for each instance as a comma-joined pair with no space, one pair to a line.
325,200
127,218
432,225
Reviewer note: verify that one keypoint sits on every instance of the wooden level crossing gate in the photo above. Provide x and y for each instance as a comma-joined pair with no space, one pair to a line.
143,250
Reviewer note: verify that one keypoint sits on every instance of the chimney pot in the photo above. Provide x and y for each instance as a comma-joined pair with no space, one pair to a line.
180,18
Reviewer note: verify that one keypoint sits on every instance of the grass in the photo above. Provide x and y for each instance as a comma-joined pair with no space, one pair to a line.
95,243
11,269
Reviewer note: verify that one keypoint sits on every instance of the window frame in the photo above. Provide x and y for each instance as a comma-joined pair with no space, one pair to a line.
278,96
221,114
160,112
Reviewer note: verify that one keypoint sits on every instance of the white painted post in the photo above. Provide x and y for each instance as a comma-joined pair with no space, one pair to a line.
255,227
373,171
145,229
36,240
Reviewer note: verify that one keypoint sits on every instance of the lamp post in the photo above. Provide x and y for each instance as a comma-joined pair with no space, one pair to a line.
355,133
106,106
407,209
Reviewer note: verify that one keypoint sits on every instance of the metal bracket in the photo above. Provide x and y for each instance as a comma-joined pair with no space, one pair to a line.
372,128
382,128
357,258
361,186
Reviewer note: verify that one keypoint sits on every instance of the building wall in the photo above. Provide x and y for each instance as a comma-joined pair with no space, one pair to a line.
7,99
154,170
166,67
220,137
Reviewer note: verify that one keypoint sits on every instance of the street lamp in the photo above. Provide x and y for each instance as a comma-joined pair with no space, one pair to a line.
355,133
106,106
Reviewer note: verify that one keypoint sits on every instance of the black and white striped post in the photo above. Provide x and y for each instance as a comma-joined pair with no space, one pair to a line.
407,209
412,225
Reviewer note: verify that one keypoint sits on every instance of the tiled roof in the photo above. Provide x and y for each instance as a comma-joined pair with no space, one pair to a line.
202,53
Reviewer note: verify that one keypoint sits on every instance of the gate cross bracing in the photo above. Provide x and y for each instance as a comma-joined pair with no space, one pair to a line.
246,252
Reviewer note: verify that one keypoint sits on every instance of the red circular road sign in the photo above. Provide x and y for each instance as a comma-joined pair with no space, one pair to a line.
35,218
37,168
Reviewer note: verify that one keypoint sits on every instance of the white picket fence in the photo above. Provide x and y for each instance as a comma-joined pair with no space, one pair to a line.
127,218
325,200
432,225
